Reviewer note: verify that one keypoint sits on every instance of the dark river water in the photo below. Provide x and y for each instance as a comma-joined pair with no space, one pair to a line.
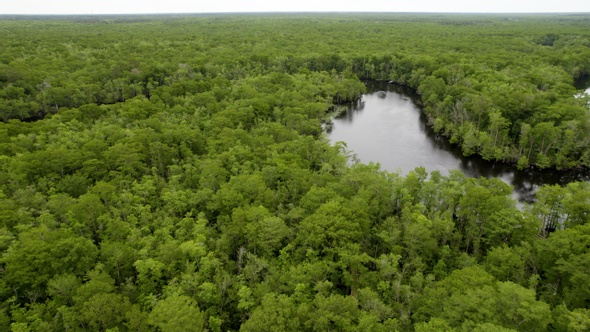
583,83
386,126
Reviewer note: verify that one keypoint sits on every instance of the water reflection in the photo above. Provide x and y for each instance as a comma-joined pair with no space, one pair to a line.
387,126
582,83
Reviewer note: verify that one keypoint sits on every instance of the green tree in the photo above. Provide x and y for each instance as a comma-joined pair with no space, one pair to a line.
39,255
176,313
470,296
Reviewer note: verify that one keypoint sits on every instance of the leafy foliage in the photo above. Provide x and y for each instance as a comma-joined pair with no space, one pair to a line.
170,173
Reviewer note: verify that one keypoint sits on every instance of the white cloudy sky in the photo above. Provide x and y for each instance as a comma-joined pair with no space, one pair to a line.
208,6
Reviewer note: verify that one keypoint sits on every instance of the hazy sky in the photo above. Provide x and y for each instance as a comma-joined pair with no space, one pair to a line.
207,6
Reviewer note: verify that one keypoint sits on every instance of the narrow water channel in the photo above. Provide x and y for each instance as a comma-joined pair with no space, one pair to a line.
583,83
386,126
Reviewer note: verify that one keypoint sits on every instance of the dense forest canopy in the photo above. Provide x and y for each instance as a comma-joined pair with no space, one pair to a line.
170,173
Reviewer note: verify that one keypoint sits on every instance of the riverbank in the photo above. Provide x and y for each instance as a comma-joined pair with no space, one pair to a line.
388,127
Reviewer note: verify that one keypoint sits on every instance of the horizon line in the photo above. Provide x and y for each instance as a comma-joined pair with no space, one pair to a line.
281,12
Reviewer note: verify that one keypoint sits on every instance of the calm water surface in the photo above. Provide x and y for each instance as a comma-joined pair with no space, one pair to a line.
387,126
583,83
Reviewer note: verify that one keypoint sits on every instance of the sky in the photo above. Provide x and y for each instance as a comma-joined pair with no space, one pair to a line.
215,6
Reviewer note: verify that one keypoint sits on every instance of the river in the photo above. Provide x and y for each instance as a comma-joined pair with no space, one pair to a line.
386,126
583,83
